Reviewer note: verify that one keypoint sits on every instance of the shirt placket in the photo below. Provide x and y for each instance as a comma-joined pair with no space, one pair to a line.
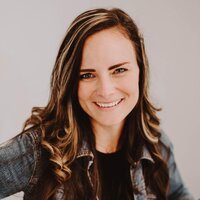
89,175
138,182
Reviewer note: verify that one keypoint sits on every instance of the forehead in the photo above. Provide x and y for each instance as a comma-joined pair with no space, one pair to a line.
115,32
107,47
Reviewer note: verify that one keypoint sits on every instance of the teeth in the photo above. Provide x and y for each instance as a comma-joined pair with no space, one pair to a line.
108,105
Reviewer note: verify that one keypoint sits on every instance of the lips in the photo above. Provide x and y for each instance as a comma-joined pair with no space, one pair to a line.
109,104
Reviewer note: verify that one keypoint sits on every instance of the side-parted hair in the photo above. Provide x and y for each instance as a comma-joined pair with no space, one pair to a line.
64,124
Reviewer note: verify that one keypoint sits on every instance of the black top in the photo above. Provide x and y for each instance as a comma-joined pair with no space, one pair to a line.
115,176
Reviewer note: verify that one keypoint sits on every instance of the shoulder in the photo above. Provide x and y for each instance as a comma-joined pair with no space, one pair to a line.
22,143
32,135
26,138
166,146
165,140
177,188
19,161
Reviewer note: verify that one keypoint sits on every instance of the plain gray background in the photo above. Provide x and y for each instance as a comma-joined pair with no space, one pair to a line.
30,35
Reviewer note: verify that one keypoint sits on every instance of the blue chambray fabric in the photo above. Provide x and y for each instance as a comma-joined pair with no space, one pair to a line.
21,166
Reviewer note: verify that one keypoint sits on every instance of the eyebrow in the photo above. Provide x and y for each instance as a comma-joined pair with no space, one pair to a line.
110,68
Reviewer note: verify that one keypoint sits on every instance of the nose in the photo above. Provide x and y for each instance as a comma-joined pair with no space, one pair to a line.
105,87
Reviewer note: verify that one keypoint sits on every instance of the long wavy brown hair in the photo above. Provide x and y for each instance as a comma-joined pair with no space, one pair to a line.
65,125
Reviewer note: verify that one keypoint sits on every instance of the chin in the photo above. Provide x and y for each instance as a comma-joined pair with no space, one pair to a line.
112,122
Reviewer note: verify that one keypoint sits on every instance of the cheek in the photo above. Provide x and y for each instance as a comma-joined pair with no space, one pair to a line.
133,92
131,85
83,92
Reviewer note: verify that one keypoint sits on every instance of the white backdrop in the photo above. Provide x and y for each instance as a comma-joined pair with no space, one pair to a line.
30,35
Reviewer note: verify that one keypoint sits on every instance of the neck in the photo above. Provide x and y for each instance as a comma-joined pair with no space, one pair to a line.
107,137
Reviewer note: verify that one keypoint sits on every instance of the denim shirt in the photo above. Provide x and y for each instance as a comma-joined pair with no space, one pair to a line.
21,167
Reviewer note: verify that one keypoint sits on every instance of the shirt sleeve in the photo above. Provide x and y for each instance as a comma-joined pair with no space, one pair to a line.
18,162
177,187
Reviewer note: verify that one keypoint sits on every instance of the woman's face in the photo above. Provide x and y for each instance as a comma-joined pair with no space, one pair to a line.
109,78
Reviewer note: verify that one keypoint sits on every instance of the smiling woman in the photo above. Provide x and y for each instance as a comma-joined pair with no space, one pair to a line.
99,136
104,91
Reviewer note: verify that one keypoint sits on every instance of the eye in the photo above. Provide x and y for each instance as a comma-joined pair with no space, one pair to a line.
120,70
86,76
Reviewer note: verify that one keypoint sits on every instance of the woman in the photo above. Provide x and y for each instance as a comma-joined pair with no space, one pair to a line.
99,135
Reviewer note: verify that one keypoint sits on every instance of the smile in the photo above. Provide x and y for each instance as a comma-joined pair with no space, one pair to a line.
108,105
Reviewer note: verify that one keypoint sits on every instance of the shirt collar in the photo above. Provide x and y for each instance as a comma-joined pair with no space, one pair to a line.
86,152
146,155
